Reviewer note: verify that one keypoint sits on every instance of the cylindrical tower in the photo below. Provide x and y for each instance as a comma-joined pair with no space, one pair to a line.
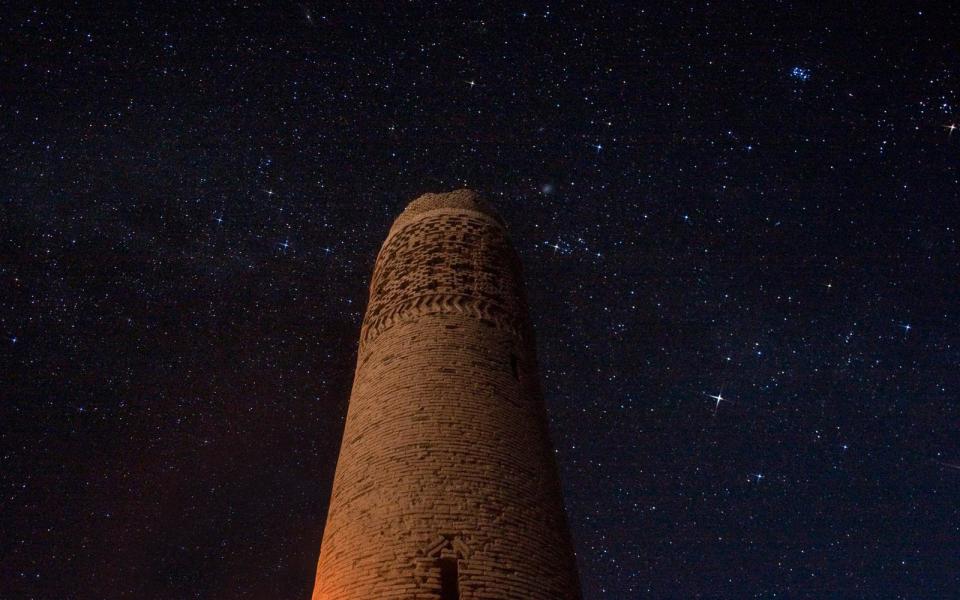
446,487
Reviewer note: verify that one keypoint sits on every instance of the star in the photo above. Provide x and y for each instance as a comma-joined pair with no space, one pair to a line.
950,128
906,328
719,398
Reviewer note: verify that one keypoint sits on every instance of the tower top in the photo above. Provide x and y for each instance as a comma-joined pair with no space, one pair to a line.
463,198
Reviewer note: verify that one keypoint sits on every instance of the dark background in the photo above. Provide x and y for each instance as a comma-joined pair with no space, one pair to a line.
746,200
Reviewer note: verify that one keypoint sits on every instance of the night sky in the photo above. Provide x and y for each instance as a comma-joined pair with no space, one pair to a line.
739,228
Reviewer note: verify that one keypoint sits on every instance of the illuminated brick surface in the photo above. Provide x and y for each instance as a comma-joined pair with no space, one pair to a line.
445,453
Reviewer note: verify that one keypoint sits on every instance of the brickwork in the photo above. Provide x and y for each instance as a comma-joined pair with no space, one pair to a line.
446,485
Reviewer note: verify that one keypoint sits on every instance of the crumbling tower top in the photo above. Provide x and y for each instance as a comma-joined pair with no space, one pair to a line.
464,198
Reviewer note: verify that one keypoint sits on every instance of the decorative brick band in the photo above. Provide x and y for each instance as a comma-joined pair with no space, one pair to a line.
445,260
413,308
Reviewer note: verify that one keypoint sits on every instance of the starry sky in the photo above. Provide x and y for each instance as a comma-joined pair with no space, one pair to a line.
739,227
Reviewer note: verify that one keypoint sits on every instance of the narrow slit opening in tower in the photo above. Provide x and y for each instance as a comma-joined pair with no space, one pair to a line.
449,579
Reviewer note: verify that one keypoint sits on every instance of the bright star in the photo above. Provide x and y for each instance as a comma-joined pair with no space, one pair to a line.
719,398
950,128
906,328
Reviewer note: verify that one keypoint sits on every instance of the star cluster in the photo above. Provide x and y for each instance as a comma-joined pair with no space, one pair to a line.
739,227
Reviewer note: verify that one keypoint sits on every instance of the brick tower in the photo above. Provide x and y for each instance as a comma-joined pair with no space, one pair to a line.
446,487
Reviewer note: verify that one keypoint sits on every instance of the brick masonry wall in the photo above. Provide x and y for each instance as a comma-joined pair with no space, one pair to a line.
445,457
